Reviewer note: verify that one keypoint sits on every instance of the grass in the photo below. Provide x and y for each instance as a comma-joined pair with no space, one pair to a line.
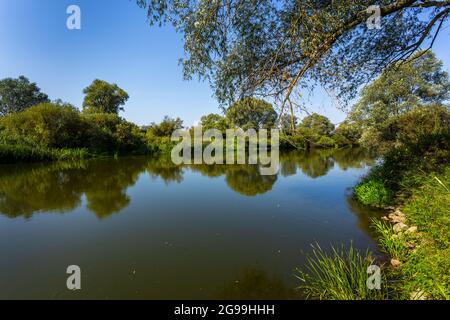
427,267
425,254
23,153
424,197
338,275
390,243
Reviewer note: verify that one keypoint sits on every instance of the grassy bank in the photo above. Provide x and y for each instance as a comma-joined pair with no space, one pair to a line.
417,238
413,185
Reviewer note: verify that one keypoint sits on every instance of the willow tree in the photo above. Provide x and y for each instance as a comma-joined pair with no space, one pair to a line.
276,48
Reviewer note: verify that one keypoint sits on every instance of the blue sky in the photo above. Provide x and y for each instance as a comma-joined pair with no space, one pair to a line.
115,44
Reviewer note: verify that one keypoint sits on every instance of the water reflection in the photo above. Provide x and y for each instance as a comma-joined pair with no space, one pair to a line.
59,187
256,284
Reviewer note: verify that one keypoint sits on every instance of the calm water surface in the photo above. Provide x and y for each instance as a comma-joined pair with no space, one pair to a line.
143,228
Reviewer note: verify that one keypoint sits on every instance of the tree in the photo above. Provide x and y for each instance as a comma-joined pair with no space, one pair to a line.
166,127
214,121
287,123
103,97
347,133
275,47
19,94
418,84
318,124
251,113
421,81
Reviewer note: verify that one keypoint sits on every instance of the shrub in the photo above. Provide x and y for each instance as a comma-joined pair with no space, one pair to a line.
48,125
326,142
373,192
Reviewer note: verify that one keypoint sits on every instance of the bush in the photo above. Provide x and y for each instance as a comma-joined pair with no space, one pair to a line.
48,125
42,130
326,142
373,192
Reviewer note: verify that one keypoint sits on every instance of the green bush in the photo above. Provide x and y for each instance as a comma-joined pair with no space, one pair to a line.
42,130
373,192
326,142
48,125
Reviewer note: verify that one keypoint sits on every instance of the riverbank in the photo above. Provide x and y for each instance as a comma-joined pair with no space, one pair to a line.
413,185
416,236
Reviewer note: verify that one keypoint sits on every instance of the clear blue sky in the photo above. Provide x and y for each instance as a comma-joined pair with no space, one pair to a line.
115,44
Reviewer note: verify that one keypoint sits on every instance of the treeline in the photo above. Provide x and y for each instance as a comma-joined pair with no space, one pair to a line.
32,127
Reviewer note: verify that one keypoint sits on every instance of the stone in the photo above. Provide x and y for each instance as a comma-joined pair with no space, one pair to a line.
385,218
397,218
395,263
411,230
399,213
399,227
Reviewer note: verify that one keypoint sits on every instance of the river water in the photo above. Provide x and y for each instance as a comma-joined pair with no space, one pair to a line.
144,228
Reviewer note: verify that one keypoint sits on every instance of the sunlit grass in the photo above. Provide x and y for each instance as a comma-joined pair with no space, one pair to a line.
338,275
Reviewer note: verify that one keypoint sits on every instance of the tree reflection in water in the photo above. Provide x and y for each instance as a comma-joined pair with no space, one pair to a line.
26,189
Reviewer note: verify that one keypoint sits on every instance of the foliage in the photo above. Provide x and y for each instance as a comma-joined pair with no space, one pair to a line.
103,97
251,113
19,94
318,124
48,125
214,121
406,101
272,47
373,193
347,133
165,128
339,275
288,123
22,153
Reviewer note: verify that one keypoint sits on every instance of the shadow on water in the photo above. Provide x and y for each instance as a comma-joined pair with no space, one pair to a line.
26,189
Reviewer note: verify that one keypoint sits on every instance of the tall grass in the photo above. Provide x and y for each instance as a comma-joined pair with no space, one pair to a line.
23,153
391,243
338,275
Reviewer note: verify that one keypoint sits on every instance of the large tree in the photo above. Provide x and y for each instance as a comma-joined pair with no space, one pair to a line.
251,113
276,47
166,127
103,97
420,81
214,121
318,124
401,101
19,94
